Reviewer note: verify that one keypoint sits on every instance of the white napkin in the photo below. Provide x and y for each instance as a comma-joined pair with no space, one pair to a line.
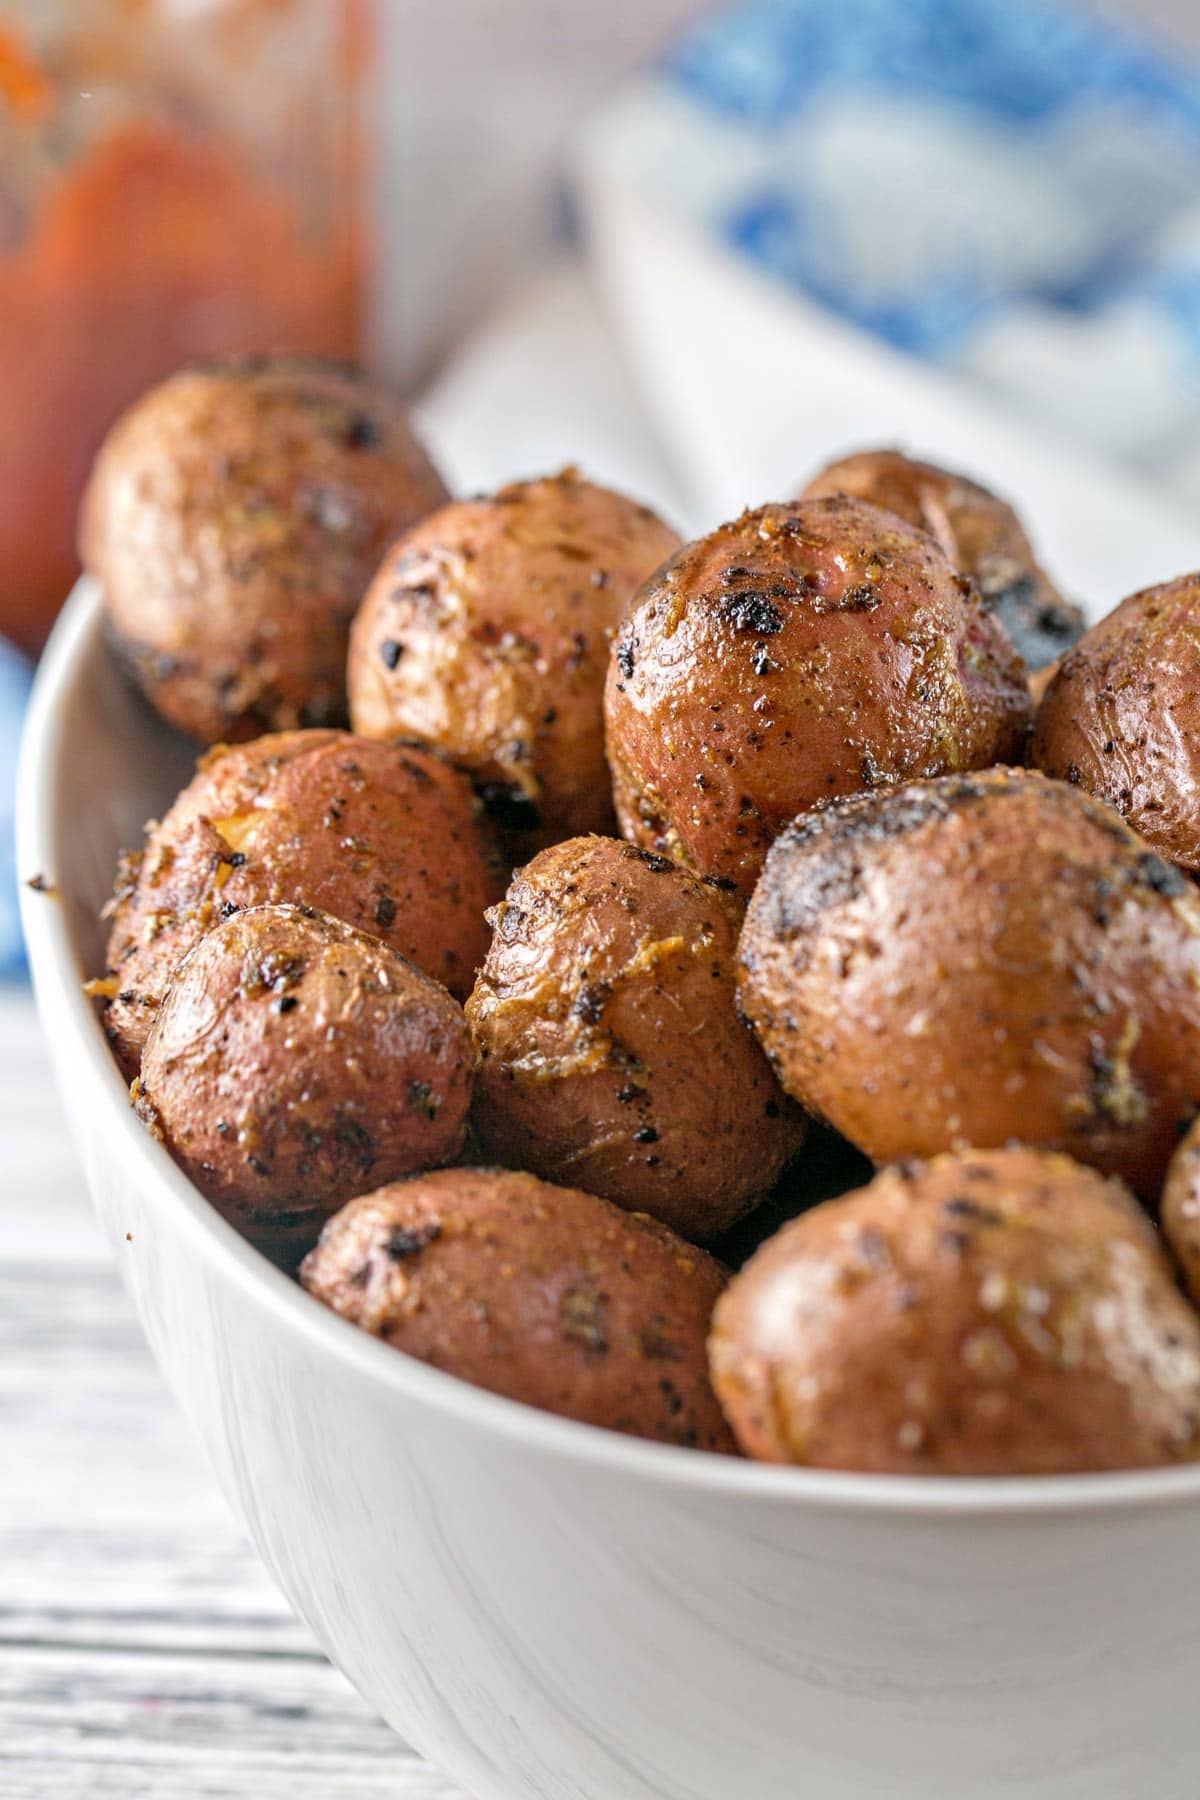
676,374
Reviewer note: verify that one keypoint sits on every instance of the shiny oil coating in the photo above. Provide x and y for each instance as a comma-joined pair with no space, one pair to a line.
235,516
610,1053
544,1294
980,533
294,1060
1122,716
487,634
387,837
801,652
1001,1312
1179,1212
975,960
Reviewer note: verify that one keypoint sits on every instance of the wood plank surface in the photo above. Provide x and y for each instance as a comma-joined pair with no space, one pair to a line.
144,1652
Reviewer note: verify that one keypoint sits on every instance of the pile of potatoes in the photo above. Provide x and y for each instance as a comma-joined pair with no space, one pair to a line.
557,910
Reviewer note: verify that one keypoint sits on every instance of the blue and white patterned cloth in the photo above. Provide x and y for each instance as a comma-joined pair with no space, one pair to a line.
14,691
1007,188
924,163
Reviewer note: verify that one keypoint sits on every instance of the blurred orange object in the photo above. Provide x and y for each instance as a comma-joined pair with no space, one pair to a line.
177,181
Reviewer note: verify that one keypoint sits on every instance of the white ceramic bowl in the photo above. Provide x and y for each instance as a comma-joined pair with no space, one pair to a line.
550,1610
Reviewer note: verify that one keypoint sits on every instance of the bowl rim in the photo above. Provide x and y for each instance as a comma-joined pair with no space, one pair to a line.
63,1006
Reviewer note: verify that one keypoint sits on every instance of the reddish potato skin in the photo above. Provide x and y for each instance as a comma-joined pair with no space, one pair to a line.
799,653
980,533
977,960
1179,1212
1121,716
386,837
234,518
292,1059
1000,1312
487,634
544,1294
610,1054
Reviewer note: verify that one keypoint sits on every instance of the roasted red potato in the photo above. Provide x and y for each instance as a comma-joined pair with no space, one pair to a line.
294,1059
543,1294
975,960
980,533
1001,1312
1179,1212
1121,716
800,653
387,837
487,634
234,518
611,1056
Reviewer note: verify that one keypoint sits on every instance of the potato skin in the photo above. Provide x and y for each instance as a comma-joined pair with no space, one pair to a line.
976,960
544,1294
980,533
1000,1312
387,837
799,653
234,517
292,1059
1179,1211
610,1055
487,634
1121,716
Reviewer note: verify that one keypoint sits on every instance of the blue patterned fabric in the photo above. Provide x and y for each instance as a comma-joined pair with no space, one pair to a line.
14,691
860,132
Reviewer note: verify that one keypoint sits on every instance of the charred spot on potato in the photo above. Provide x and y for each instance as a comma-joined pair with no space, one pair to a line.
362,432
971,1209
405,1241
273,973
590,1002
583,1317
750,609
861,597
650,859
390,652
1115,1094
800,893
656,1342
352,1135
384,912
509,807
422,1098
1162,877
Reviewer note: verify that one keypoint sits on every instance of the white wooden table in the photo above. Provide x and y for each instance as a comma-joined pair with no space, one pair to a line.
144,1652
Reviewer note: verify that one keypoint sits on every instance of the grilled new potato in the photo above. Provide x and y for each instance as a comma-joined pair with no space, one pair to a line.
543,1294
234,518
1001,1312
980,959
293,1060
800,653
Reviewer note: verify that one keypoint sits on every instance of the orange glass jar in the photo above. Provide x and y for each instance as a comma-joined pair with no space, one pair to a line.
178,179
